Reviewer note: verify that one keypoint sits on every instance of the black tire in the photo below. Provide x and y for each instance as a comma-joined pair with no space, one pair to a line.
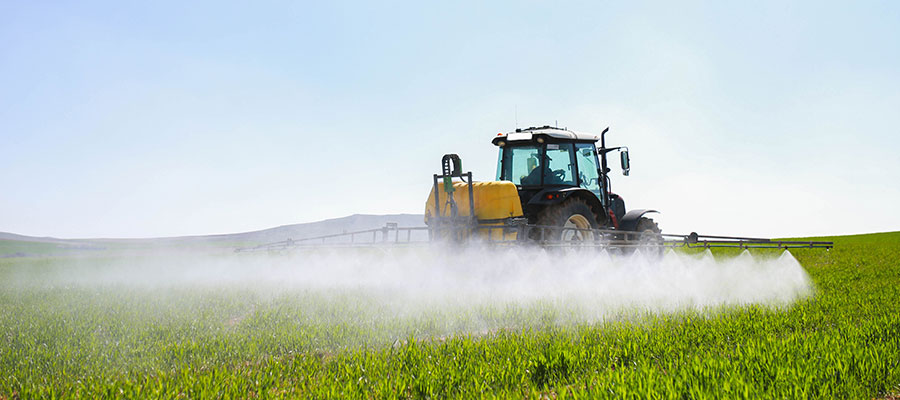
649,236
576,213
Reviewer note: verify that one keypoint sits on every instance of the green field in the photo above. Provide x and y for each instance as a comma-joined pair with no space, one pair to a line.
106,340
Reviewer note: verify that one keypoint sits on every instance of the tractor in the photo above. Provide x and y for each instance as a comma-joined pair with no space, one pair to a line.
553,182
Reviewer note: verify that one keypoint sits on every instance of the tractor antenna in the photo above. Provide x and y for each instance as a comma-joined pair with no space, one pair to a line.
517,116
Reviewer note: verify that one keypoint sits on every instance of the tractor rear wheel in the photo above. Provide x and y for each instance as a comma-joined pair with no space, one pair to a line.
568,219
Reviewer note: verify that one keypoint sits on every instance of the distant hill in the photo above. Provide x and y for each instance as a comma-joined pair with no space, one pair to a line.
12,244
33,239
356,222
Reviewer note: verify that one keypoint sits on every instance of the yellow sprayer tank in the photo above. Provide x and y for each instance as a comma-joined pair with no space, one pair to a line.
496,200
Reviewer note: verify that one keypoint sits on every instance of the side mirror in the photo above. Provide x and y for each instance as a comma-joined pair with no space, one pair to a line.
626,165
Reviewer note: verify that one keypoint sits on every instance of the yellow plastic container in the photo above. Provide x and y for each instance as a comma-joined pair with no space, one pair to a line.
494,200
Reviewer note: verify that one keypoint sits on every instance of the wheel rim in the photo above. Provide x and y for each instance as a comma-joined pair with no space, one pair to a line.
580,222
651,239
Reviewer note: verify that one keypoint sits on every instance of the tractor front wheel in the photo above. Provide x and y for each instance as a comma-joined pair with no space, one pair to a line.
649,236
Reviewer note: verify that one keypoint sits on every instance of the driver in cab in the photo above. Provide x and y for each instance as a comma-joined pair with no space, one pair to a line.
534,177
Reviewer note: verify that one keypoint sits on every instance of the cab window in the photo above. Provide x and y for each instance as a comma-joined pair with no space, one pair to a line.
560,163
588,175
521,165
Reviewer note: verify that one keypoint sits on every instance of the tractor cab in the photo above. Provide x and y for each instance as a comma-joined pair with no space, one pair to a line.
549,165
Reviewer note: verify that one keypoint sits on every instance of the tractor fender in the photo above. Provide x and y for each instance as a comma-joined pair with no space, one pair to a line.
540,200
630,220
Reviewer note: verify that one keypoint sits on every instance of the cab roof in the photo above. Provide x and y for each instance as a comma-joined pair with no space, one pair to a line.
528,134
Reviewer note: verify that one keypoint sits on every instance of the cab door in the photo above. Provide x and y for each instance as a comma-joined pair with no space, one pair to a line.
588,168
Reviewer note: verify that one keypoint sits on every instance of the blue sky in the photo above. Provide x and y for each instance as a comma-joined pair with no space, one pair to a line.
137,120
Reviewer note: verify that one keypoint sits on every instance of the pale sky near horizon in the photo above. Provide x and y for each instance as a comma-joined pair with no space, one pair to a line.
175,118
